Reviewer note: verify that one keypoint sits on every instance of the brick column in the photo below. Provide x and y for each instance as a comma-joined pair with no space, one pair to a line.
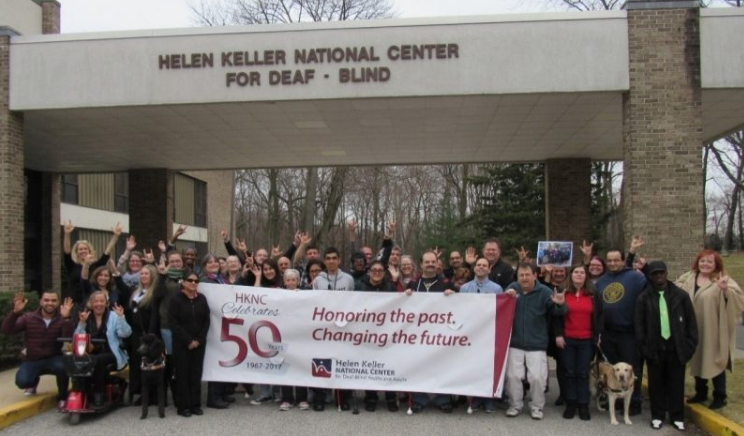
151,206
51,229
662,130
50,17
11,178
568,201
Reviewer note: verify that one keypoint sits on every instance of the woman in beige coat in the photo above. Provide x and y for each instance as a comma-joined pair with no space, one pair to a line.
718,301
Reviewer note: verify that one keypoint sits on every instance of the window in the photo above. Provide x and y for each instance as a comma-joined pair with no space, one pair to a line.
121,192
200,203
70,188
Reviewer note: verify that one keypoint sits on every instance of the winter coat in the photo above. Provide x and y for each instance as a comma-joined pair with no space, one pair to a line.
682,324
40,339
116,330
716,320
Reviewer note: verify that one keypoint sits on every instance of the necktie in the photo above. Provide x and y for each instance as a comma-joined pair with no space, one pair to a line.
665,331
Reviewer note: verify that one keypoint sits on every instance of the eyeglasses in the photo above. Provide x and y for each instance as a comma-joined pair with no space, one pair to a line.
377,270
192,280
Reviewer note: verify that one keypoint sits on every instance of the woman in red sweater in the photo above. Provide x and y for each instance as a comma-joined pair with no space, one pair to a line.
577,342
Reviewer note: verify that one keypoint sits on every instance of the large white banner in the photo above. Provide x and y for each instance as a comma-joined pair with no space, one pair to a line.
358,340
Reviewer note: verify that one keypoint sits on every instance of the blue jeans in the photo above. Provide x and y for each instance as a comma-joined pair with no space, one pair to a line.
423,400
29,372
167,336
576,359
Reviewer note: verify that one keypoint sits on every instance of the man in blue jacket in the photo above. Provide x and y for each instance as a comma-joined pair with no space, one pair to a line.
619,289
529,341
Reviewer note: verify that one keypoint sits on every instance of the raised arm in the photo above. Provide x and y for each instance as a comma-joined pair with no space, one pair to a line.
117,229
299,255
67,241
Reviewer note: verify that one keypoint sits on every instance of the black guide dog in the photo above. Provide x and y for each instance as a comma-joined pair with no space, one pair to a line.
152,351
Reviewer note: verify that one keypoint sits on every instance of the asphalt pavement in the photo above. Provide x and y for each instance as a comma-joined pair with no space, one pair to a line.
266,419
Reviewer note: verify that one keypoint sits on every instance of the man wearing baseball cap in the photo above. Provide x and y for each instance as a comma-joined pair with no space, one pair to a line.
667,335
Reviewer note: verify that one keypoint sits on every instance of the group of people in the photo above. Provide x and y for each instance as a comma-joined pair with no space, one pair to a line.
619,308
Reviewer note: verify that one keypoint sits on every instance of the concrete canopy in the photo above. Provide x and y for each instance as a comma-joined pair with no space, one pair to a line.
505,88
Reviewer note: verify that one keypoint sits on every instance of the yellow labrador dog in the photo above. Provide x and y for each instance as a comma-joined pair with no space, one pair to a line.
615,381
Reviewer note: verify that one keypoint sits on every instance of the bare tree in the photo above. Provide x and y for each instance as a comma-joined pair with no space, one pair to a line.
242,12
729,157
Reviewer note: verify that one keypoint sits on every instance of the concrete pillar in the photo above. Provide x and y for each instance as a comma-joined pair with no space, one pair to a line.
11,178
50,17
568,201
662,129
151,206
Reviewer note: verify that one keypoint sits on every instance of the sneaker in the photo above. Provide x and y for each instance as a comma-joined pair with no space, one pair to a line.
536,414
61,404
304,405
511,412
656,424
260,400
247,396
490,409
679,425
29,391
284,406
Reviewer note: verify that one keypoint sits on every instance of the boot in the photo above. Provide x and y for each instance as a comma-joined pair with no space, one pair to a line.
570,410
719,400
701,391
584,412
97,400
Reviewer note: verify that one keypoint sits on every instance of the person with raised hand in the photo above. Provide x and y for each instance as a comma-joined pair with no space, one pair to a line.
718,301
41,329
110,325
529,340
75,254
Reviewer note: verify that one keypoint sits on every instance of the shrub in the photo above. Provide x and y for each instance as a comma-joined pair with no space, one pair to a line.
10,346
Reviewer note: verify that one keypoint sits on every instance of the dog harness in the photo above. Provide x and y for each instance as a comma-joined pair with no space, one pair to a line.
153,366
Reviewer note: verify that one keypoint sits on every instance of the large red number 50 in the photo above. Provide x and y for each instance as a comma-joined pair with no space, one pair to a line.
275,337
225,336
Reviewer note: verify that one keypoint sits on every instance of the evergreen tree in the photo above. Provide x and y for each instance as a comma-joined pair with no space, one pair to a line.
511,206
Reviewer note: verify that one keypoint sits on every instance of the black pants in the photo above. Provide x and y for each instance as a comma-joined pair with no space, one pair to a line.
666,386
135,373
292,394
100,371
188,365
371,397
719,385
621,347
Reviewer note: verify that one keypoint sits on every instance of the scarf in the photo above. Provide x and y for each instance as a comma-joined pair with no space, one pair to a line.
131,279
175,274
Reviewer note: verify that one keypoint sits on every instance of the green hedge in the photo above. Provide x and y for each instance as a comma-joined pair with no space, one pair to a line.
10,346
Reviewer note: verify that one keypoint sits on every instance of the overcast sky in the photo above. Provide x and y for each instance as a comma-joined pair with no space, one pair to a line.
102,15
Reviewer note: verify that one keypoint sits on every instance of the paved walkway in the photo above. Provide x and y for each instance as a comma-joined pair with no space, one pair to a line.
10,394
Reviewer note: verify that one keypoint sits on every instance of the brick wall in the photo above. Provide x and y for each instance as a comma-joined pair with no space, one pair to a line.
150,206
568,201
11,182
50,17
663,179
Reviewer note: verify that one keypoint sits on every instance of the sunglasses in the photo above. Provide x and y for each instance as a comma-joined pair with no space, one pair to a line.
376,270
192,280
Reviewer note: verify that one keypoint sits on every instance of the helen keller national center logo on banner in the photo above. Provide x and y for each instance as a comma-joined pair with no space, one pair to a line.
322,368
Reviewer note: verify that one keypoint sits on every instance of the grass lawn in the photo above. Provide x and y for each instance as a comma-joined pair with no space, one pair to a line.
734,381
735,267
